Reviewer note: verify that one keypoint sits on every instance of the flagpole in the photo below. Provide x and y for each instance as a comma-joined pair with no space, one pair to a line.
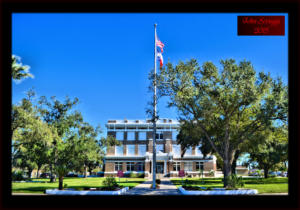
154,117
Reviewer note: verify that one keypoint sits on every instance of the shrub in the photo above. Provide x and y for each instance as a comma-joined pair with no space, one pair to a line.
141,175
65,185
110,183
126,174
133,175
17,176
211,173
185,183
233,181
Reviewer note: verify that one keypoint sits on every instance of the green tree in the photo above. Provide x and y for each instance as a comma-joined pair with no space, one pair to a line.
19,71
89,153
60,116
31,137
271,149
64,159
81,150
226,106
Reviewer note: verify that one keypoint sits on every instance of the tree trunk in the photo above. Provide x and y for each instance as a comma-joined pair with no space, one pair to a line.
51,173
37,172
85,170
60,185
29,173
90,171
226,171
266,172
233,166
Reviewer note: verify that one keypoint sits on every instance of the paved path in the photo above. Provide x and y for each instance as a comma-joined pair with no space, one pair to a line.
166,188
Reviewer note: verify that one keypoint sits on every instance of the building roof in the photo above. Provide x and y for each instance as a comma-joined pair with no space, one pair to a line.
147,122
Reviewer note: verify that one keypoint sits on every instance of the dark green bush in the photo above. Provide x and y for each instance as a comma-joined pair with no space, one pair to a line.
186,183
17,176
233,181
141,175
133,175
136,175
110,183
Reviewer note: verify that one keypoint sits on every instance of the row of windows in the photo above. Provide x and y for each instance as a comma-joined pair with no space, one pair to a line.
142,136
130,150
140,166
188,166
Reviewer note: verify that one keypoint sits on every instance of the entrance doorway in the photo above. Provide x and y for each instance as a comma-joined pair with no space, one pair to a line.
159,167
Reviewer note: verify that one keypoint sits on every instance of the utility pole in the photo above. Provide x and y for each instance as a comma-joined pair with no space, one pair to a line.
154,117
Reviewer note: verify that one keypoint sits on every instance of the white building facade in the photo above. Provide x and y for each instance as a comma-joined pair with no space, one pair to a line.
135,153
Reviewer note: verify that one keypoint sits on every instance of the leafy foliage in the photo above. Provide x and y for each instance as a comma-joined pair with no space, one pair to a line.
110,183
19,71
271,149
234,181
17,176
222,109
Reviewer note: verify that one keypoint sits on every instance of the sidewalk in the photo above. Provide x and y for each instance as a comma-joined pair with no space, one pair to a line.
165,188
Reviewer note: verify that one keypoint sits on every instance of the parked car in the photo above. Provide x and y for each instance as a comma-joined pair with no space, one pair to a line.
72,175
45,175
100,174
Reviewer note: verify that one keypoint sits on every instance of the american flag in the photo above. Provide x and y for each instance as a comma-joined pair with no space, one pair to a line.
160,44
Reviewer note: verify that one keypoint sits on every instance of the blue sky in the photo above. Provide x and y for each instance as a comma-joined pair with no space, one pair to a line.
104,59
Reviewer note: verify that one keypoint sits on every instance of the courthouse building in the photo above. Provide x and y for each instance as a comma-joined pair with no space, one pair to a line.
135,153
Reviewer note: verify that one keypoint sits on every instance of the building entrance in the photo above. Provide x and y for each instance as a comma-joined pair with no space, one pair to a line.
159,167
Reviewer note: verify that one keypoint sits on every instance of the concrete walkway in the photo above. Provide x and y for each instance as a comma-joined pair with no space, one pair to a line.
165,188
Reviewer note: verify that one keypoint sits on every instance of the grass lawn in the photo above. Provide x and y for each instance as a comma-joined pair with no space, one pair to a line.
269,185
72,182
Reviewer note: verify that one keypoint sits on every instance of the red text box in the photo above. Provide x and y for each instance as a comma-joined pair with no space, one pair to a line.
261,25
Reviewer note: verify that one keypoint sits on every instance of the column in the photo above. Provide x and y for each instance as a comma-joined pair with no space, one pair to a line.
165,167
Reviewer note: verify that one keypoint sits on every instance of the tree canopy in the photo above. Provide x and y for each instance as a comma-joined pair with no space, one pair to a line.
226,106
19,71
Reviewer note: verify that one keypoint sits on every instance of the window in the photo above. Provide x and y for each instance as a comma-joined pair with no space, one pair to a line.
198,151
130,166
159,136
199,166
141,166
160,147
188,166
119,150
176,166
142,136
120,136
130,150
118,166
174,135
130,136
176,150
142,150
188,151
